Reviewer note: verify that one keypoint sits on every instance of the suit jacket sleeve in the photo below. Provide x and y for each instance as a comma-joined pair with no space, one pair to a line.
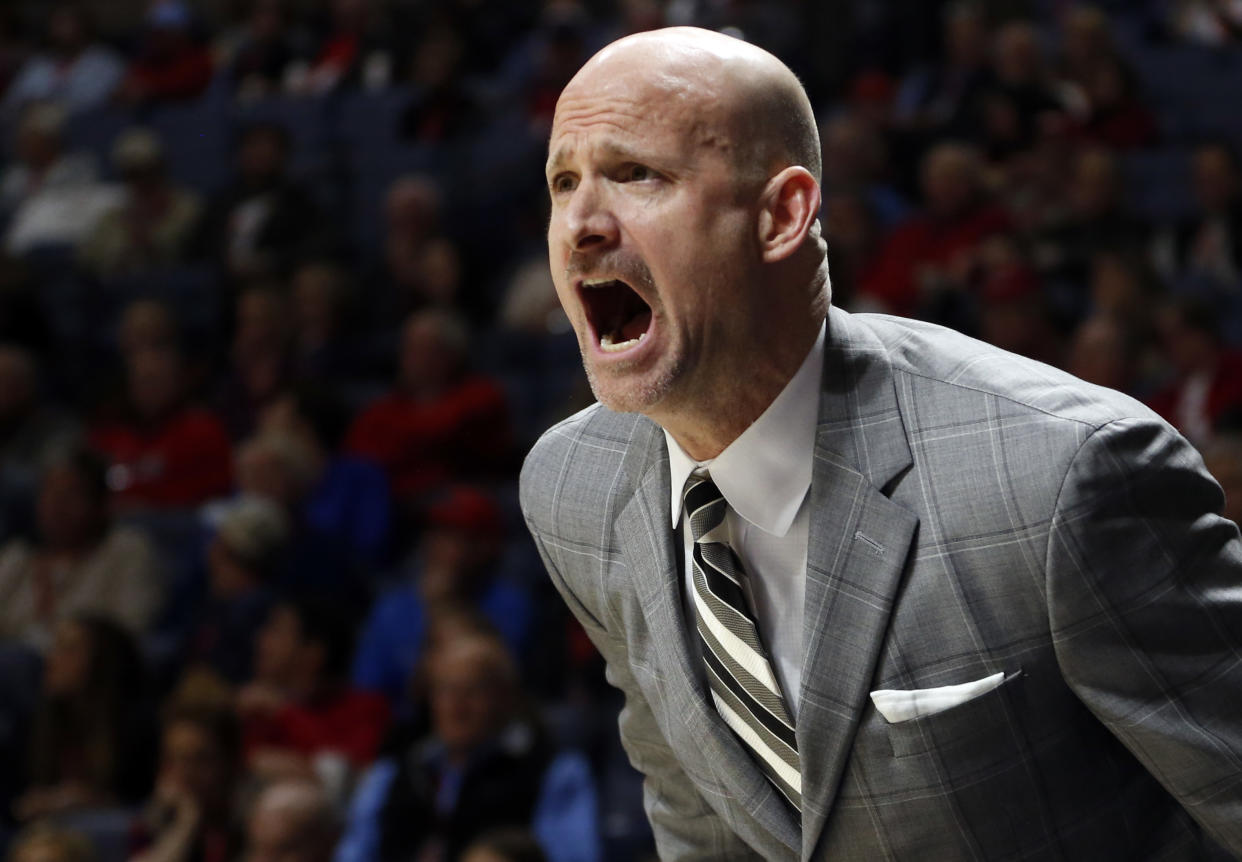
686,829
1144,587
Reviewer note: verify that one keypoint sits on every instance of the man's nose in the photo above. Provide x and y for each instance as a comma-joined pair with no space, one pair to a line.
589,221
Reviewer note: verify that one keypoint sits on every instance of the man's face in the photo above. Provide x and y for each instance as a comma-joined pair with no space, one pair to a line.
651,240
278,836
468,704
191,760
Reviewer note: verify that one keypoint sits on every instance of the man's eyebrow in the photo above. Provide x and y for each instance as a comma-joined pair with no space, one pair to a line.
608,149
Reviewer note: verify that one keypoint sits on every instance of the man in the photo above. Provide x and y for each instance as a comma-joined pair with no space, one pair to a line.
994,602
292,820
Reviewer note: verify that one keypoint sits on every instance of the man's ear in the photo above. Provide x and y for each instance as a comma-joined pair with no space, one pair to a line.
789,207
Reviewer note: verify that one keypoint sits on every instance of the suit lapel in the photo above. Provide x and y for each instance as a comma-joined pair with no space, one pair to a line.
859,541
648,545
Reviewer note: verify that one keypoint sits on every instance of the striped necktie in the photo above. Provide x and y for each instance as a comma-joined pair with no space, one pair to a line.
739,673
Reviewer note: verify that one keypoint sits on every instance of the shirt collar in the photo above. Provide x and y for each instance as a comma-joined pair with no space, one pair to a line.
765,473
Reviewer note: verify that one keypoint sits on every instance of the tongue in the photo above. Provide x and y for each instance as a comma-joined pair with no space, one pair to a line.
636,325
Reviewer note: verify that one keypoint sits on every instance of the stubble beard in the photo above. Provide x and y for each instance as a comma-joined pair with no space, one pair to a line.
622,390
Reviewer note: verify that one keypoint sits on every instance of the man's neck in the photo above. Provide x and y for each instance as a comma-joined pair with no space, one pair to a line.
706,429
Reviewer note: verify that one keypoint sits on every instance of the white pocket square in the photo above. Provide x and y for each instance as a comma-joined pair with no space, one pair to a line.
897,706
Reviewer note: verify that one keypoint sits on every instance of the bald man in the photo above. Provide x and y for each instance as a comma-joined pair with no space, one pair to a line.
923,599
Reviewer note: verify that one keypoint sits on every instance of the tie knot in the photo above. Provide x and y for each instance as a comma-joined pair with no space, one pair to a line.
703,506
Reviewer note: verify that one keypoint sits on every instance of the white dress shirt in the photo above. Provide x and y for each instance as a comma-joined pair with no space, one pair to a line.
764,476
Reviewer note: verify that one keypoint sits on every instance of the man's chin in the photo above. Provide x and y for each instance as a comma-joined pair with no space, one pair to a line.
629,392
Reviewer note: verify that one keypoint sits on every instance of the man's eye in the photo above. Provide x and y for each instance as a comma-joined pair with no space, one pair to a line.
637,173
562,183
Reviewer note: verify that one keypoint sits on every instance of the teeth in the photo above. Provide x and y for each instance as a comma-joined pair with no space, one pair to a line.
606,344
596,282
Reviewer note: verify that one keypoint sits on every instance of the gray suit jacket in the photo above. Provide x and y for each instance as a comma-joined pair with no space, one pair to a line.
972,512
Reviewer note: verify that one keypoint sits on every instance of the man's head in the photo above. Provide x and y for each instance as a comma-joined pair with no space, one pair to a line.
292,821
951,179
474,687
684,174
72,504
305,644
434,346
156,381
200,751
18,382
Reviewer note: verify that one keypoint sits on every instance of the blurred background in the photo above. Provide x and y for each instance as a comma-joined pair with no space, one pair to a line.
276,329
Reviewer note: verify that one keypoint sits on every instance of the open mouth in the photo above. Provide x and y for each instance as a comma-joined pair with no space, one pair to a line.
617,314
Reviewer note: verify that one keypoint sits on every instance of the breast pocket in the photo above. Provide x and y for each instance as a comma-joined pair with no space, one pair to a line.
959,730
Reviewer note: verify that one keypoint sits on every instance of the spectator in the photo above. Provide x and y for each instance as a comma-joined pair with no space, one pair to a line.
1208,377
300,717
1085,40
1014,316
1115,116
263,220
259,358
935,250
48,193
40,160
1093,222
146,324
421,267
151,224
25,319
29,425
941,100
354,51
1105,353
14,48
90,744
292,821
1207,246
505,845
441,422
258,58
484,766
80,562
164,451
1208,23
244,558
1223,458
172,64
854,159
285,470
853,243
322,348
44,842
1024,100
348,496
192,816
75,70
458,561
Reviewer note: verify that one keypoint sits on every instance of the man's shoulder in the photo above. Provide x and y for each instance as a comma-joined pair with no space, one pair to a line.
951,376
579,462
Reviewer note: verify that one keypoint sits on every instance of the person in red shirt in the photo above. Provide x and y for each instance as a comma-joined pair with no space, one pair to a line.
299,717
1209,376
172,64
440,423
935,249
164,452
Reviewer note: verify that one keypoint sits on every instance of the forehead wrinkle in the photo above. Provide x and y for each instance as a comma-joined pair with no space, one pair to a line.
686,102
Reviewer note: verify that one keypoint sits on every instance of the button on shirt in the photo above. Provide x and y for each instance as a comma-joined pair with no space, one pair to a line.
764,476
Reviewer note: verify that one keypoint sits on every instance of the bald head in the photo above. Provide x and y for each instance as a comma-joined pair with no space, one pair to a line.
683,171
747,103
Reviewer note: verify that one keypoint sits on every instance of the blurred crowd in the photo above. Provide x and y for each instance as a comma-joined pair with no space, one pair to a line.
276,329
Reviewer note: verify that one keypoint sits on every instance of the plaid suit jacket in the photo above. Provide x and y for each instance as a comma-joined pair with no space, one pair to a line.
973,512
